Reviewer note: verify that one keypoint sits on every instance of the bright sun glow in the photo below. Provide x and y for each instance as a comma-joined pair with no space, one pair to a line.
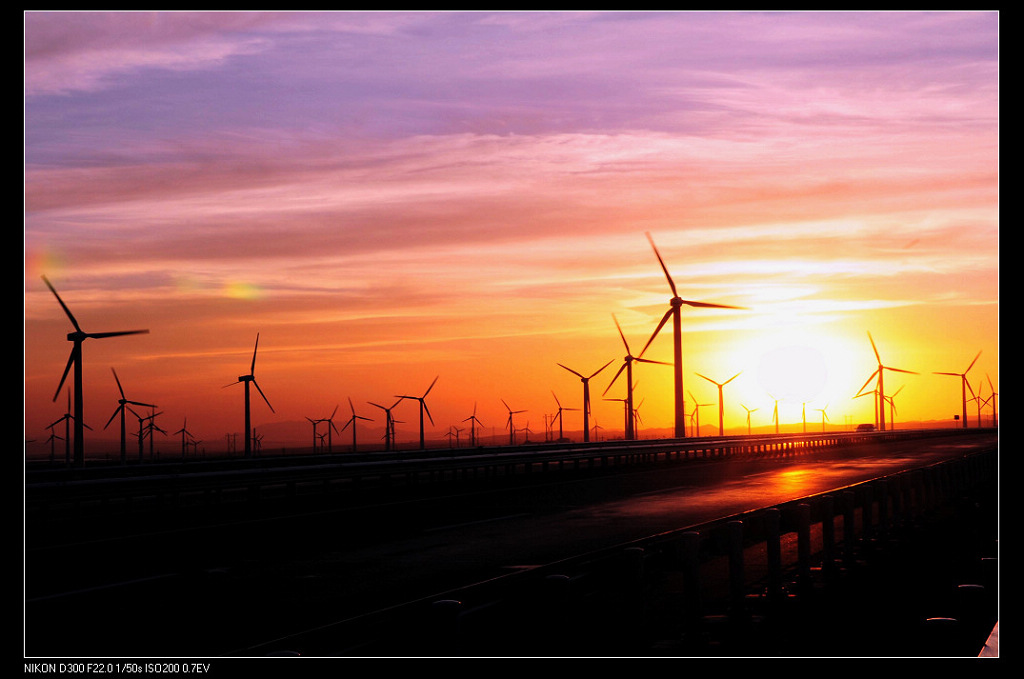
793,373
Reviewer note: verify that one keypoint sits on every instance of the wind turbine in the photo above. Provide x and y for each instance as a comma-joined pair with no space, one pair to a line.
880,372
247,379
511,427
980,403
964,386
77,338
586,396
892,408
183,431
824,415
330,428
122,404
315,435
559,415
749,410
423,409
625,414
66,418
775,413
389,423
677,339
993,399
721,401
51,439
150,427
473,421
352,421
696,413
627,365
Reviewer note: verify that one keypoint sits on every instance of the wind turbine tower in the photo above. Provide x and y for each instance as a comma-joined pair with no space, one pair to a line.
423,409
75,360
880,372
675,304
246,380
964,387
586,396
721,400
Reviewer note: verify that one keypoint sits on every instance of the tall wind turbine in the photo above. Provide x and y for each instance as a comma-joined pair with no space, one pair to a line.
880,372
122,405
677,339
352,421
749,410
586,396
511,427
964,387
423,409
77,338
330,428
247,379
721,401
473,421
627,365
315,435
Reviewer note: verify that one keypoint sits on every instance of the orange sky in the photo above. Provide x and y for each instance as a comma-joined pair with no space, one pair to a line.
386,198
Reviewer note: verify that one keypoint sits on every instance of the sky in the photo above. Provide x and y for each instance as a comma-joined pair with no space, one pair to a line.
386,198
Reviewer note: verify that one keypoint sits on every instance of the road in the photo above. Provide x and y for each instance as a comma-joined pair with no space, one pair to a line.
213,590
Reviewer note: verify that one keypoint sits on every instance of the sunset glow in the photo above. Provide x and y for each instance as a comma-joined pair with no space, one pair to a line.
390,197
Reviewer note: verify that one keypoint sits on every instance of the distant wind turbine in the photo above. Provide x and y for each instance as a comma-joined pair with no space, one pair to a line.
721,400
77,338
964,387
558,415
627,365
122,404
892,407
749,411
675,305
510,425
352,421
696,414
389,423
775,413
246,380
423,409
993,399
880,372
183,431
66,418
586,396
473,421
824,416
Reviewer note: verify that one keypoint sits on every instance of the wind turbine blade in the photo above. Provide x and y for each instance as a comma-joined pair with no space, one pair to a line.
62,304
140,404
256,384
972,363
709,305
968,385
899,370
252,369
333,414
101,335
732,378
118,382
875,349
430,387
620,333
954,374
116,411
67,368
600,369
707,378
868,381
613,379
664,320
572,371
427,411
664,268
648,360
506,406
